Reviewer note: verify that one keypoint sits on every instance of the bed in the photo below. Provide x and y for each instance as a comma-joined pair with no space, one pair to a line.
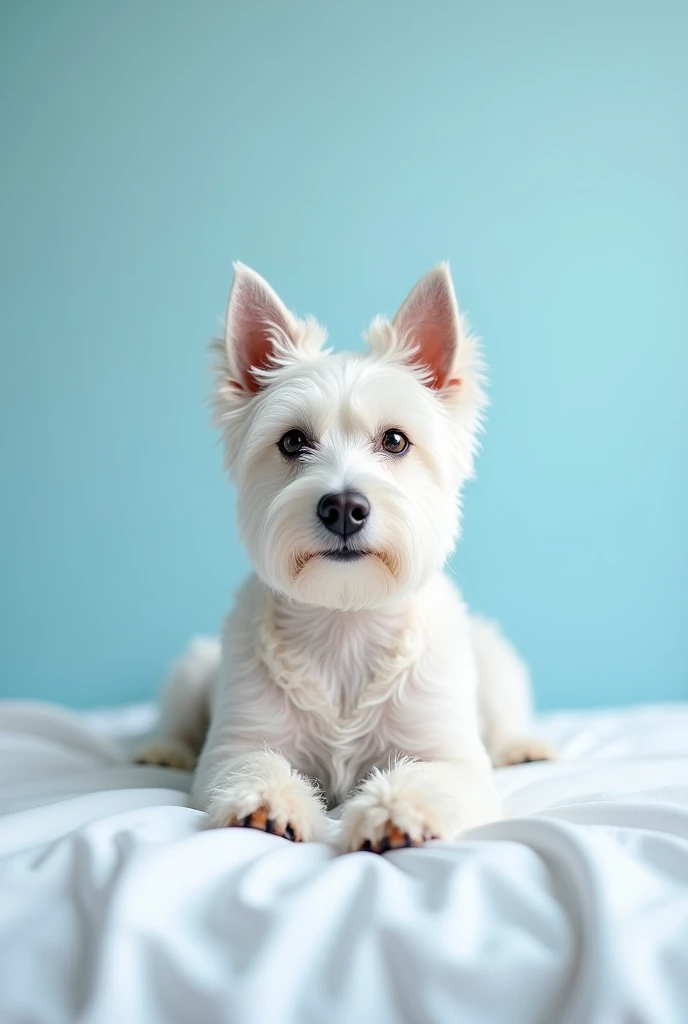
118,907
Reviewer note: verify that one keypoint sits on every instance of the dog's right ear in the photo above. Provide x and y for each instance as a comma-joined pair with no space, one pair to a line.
260,332
428,323
261,336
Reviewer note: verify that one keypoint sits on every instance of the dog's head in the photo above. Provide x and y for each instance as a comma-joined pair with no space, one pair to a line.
348,467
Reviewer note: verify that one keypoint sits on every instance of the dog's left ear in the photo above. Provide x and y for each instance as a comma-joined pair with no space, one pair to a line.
258,326
261,334
428,325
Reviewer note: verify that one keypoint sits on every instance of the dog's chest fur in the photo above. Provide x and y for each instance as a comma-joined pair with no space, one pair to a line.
340,671
346,691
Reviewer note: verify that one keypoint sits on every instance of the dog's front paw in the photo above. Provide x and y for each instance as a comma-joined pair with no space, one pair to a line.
524,750
391,837
262,821
264,792
405,806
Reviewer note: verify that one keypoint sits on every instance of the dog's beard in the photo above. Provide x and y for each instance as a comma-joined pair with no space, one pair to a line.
297,557
348,586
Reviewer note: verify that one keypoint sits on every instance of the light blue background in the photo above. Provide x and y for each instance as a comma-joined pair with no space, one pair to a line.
342,149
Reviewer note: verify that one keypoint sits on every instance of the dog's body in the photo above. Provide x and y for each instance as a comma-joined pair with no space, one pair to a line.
350,659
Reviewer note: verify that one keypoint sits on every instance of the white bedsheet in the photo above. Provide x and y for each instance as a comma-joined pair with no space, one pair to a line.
116,907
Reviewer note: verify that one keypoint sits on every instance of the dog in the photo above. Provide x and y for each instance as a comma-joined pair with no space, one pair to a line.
350,671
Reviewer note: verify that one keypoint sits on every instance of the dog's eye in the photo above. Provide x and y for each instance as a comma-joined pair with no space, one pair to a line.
293,442
395,442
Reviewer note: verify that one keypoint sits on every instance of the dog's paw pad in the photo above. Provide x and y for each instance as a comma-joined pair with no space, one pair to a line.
167,754
524,752
260,819
393,838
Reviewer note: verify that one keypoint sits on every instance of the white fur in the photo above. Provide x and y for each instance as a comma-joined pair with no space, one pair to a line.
184,707
331,670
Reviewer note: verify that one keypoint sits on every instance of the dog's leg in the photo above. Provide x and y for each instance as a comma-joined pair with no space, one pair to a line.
184,708
261,790
419,800
504,698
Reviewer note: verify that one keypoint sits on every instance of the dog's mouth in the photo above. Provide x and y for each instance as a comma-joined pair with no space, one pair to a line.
343,554
346,554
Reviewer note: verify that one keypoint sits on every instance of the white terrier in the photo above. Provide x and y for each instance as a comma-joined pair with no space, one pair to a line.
350,670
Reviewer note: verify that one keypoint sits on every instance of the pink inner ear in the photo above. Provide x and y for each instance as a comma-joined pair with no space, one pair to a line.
255,355
254,318
428,319
435,339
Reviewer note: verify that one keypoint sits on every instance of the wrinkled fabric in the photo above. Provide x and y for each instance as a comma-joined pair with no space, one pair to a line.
117,906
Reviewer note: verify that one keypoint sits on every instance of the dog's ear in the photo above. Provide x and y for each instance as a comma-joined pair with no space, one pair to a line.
428,325
259,330
261,334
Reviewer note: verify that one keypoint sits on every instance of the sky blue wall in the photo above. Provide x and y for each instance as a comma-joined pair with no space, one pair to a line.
342,149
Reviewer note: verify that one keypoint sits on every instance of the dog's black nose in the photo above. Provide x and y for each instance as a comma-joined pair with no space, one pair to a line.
343,514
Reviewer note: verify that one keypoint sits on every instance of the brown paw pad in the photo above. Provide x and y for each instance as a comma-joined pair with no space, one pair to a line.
525,752
262,821
393,839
